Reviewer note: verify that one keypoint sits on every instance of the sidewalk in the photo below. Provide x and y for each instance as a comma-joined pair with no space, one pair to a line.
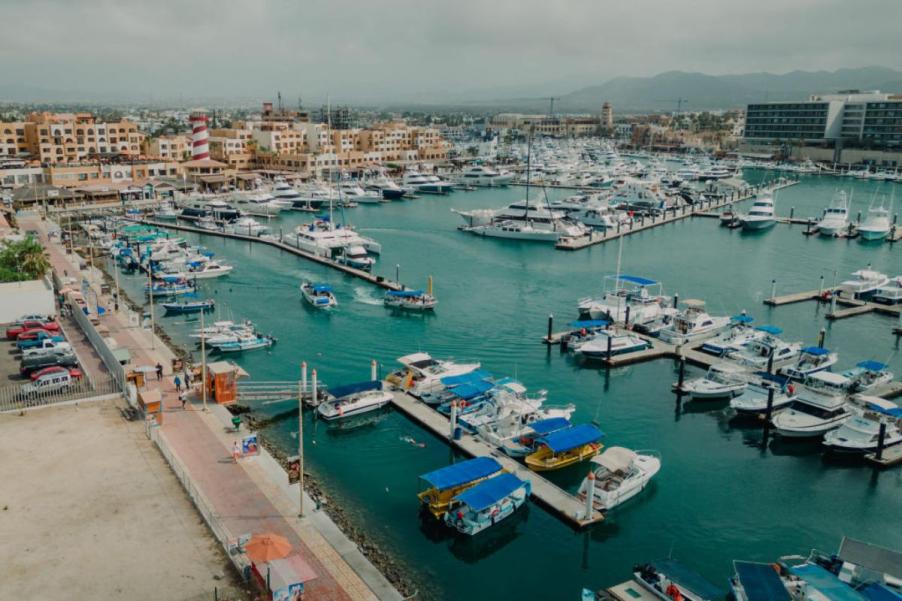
248,497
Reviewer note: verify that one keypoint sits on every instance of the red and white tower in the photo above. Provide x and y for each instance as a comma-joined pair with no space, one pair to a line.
200,146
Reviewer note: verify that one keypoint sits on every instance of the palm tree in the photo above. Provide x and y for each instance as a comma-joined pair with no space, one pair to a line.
23,260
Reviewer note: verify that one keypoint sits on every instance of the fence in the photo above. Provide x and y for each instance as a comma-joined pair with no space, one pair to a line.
13,398
106,355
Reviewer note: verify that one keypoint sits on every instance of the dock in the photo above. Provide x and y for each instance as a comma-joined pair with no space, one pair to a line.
852,306
669,216
277,243
891,456
556,499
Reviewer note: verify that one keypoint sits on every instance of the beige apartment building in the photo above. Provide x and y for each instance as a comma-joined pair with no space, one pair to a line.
69,137
235,147
169,148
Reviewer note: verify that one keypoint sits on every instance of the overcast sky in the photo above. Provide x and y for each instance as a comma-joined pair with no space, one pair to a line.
365,50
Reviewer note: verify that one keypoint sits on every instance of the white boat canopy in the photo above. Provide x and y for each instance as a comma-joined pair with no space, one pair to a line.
616,459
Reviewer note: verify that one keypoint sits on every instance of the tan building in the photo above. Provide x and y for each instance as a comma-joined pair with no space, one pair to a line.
168,148
234,147
280,138
607,116
556,127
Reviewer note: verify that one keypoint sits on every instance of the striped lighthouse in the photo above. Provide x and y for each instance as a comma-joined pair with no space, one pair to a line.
200,146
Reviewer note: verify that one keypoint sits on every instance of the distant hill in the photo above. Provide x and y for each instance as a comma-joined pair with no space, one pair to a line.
710,92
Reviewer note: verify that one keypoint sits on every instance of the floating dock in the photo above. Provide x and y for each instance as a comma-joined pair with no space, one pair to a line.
891,456
852,306
276,243
556,499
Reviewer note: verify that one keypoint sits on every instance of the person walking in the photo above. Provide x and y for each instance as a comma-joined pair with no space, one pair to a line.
236,451
187,375
183,397
159,371
178,383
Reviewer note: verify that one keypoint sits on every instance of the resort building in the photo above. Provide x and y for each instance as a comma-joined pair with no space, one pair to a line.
66,137
556,127
168,148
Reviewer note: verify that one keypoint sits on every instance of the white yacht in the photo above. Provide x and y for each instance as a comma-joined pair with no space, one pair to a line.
864,284
721,381
247,226
759,353
733,339
522,221
356,257
480,175
258,203
760,216
890,293
354,403
642,297
836,216
877,224
597,345
861,433
423,375
820,406
318,295
284,194
693,323
620,474
867,375
351,191
427,184
167,212
325,239
201,271
752,402
811,360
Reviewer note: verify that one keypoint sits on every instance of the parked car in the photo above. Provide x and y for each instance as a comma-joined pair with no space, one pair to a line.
49,380
61,358
35,338
47,345
13,332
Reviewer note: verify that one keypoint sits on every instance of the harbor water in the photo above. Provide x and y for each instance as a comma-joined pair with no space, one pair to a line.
719,494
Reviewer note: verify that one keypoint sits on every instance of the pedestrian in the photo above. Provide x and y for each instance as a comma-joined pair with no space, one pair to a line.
236,451
187,377
178,384
183,397
159,371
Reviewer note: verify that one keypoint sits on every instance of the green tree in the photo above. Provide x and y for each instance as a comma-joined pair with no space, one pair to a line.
23,260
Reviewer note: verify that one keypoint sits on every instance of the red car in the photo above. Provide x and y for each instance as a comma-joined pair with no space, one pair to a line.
13,332
73,371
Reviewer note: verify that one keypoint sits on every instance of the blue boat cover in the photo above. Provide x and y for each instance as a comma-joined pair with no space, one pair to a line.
872,365
640,281
321,288
461,473
826,583
781,380
817,351
471,390
571,438
473,376
878,592
688,579
348,389
552,424
487,493
589,323
760,582
894,411
743,318
404,293
772,330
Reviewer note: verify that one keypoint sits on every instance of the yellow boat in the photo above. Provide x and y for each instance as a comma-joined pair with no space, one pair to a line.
565,447
448,482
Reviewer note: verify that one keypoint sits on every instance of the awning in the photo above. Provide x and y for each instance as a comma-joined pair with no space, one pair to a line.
473,376
571,438
589,323
686,577
321,288
640,281
743,318
349,389
405,293
878,592
616,459
283,573
461,473
825,583
471,390
552,424
760,581
772,330
485,494
870,556
872,365
817,351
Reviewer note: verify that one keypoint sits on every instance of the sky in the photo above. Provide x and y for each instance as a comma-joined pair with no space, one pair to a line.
420,50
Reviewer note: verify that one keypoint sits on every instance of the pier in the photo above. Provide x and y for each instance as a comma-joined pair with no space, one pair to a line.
669,216
277,243
852,306
559,501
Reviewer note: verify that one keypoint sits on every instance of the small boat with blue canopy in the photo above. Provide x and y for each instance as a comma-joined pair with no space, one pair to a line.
526,444
670,579
170,286
189,307
448,482
739,333
318,295
811,360
447,391
565,447
354,399
822,584
867,375
640,298
754,581
487,503
410,300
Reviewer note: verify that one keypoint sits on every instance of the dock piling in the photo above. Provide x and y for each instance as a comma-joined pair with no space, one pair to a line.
767,416
820,287
550,327
626,318
590,495
676,300
821,337
453,420
314,391
792,213
304,376
773,288
373,370
881,441
770,361
682,377
610,343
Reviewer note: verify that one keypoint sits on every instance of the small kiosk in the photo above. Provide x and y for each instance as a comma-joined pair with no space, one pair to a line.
284,579
222,381
151,403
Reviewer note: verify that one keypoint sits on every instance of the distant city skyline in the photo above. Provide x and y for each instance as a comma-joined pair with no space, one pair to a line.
408,51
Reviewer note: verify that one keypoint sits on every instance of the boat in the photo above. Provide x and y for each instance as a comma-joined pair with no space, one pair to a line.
409,300
812,413
487,503
171,286
354,399
167,212
522,221
867,375
890,293
448,482
318,295
564,448
637,298
752,402
202,271
259,203
480,175
861,433
753,581
325,239
352,192
733,339
525,443
836,216
721,381
693,324
864,284
427,184
813,582
671,580
423,375
760,216
244,342
356,257
247,226
812,359
607,343
620,475
189,307
284,193
766,351
877,225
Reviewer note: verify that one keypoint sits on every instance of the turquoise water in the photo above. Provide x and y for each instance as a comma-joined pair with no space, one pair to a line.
719,496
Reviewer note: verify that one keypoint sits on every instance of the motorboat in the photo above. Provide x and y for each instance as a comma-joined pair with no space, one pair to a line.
356,257
354,399
564,448
760,216
387,187
753,581
259,203
167,212
422,374
812,413
245,342
669,580
861,433
606,343
812,359
639,299
693,324
620,474
481,175
864,284
867,375
836,216
325,239
189,307
352,192
733,339
522,221
284,194
409,300
444,484
876,225
427,184
890,293
202,271
487,503
318,295
524,441
752,402
721,381
767,350
170,286
207,222
247,226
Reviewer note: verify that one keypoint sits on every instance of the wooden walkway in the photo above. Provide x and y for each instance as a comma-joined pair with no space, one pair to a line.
891,456
675,214
852,306
276,243
658,350
559,501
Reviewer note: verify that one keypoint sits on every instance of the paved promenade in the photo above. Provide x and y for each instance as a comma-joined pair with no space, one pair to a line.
249,497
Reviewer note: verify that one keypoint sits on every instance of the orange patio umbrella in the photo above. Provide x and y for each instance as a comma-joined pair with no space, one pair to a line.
262,548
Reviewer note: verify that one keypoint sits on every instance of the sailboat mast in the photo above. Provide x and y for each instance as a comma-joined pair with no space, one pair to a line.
528,168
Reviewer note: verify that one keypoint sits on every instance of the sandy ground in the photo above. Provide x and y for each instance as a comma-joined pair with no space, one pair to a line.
90,510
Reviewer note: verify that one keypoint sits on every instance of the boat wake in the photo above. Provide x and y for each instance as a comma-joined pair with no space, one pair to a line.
365,295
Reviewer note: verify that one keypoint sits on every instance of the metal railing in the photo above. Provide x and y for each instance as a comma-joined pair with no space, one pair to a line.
106,355
14,398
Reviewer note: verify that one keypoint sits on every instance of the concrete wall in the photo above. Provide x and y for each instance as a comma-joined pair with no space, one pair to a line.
34,297
828,155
